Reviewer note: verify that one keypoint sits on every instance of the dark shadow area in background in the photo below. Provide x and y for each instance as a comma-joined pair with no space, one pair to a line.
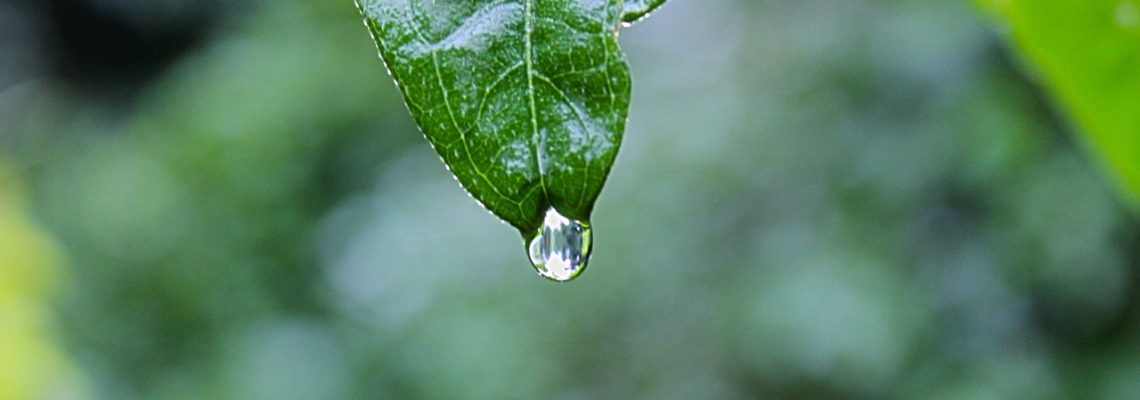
97,48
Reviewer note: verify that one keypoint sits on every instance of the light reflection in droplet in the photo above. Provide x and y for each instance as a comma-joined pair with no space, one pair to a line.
561,248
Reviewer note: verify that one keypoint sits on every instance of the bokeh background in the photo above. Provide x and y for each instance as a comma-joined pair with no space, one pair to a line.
815,199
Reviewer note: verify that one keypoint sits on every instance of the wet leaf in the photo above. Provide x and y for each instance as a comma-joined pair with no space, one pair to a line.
637,9
525,100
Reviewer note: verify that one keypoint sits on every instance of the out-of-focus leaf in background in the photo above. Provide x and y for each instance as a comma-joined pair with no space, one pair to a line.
1087,52
32,365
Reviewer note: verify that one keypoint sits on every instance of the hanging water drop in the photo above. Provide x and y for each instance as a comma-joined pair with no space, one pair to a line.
561,248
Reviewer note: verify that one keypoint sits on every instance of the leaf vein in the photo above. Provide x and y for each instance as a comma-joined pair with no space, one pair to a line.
451,114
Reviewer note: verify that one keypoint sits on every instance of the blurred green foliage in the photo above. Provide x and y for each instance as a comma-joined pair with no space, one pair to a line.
1087,53
815,199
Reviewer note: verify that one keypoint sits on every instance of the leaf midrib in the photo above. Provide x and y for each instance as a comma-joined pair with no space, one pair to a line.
537,139
528,58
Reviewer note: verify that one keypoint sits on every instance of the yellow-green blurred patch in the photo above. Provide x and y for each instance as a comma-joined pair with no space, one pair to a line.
31,365
28,259
1087,53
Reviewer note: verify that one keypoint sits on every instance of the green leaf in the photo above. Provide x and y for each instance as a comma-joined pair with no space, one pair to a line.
1087,53
525,100
638,9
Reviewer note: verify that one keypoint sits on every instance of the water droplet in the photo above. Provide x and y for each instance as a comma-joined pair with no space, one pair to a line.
561,248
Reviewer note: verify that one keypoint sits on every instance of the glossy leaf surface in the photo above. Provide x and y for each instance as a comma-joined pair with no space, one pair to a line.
525,100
